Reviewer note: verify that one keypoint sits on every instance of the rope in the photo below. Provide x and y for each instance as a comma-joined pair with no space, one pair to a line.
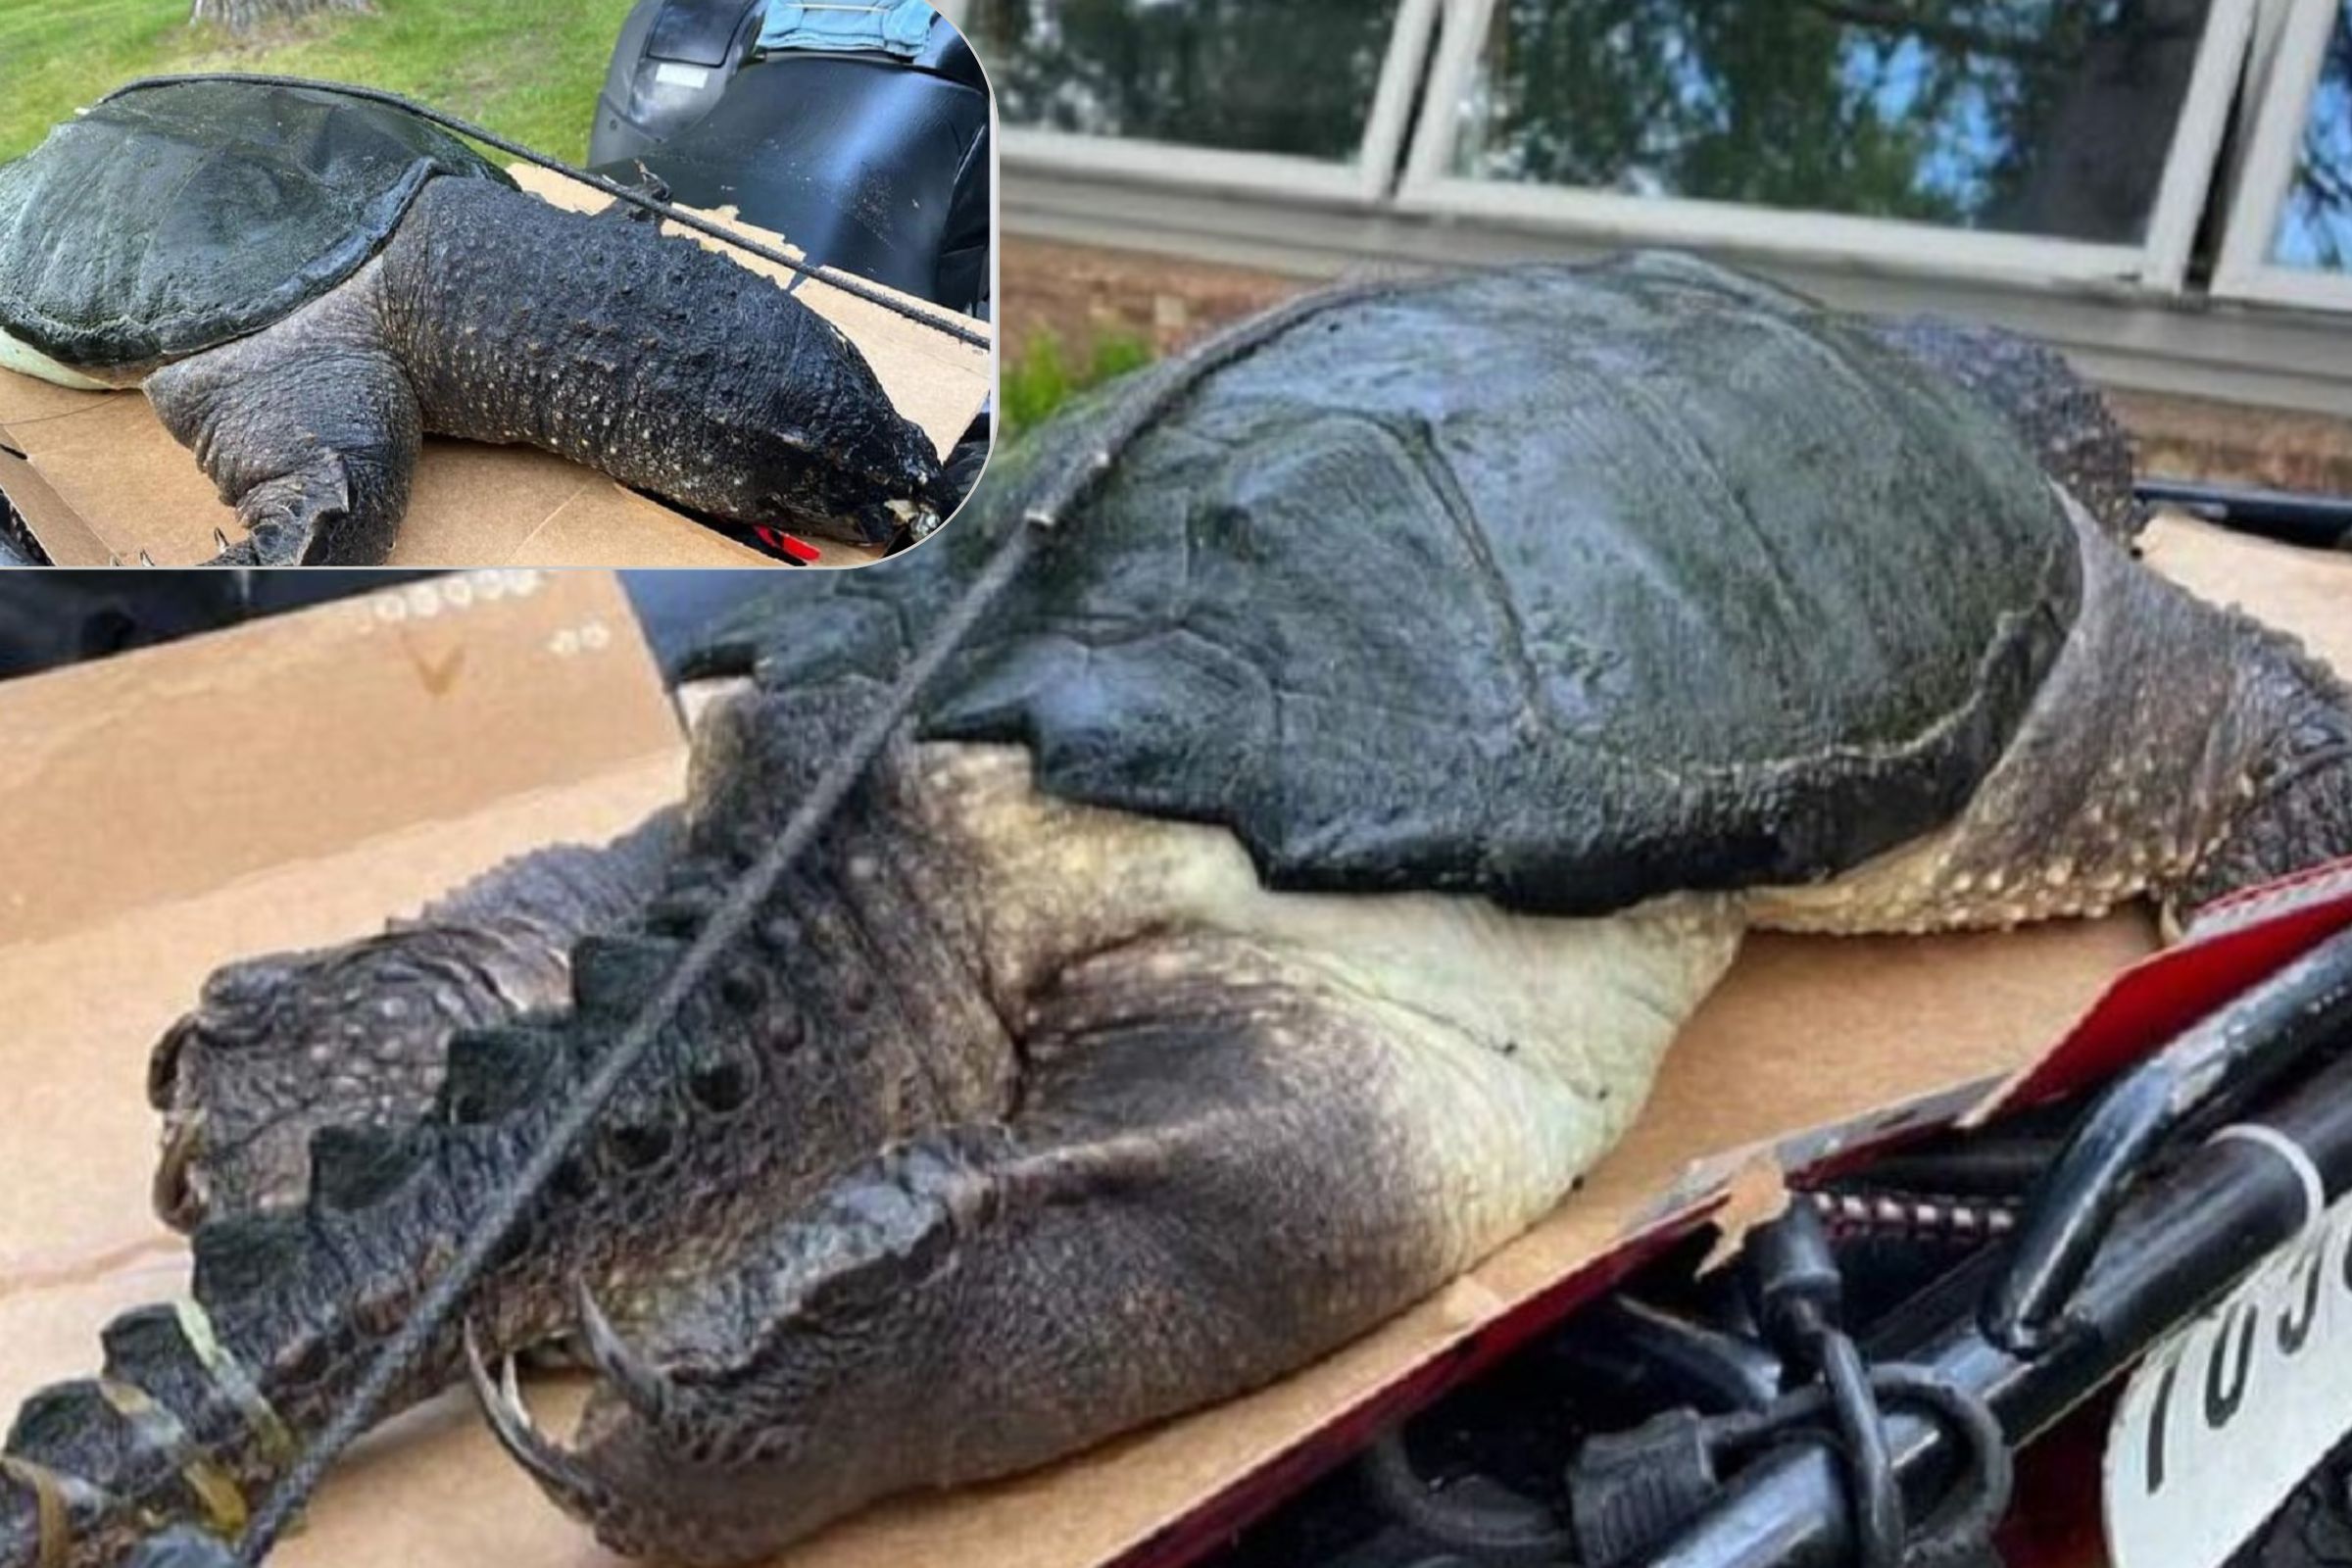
1501,1528
235,1383
867,292
153,1424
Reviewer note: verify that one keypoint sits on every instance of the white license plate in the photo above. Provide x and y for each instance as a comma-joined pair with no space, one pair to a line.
2226,1417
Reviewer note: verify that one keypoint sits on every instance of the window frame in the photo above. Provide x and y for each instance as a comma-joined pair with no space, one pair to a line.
2290,81
2159,263
1366,179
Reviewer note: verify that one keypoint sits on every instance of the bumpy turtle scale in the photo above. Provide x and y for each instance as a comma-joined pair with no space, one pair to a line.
306,284
355,1037
1184,991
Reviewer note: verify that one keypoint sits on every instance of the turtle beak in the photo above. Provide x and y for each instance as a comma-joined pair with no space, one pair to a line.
918,518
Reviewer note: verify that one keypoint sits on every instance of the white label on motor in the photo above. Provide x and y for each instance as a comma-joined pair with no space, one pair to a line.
669,74
2226,1417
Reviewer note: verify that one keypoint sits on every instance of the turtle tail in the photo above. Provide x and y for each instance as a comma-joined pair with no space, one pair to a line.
202,1404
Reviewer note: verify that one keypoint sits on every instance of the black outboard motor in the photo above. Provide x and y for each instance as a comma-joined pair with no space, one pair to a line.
872,161
670,65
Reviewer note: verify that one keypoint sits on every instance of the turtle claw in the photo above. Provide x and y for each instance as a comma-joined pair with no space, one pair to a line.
559,1475
243,552
285,538
647,1388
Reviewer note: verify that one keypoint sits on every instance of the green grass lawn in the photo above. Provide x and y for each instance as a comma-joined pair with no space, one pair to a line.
1044,373
528,69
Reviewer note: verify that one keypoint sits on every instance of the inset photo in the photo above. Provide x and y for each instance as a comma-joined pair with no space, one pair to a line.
414,282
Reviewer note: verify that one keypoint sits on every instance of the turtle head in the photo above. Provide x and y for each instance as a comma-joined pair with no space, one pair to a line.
279,1047
858,506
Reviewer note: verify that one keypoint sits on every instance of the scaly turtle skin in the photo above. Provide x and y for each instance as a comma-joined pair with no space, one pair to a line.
356,1037
306,284
1283,899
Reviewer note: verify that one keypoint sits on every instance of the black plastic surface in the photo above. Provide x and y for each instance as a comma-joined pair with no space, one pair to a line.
865,162
872,163
699,33
52,619
642,104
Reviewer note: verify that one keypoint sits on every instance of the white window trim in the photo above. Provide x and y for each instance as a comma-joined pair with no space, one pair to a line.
2246,269
2159,264
1362,179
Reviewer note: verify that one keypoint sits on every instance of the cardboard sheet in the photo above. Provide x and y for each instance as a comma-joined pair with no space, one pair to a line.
97,478
1809,1042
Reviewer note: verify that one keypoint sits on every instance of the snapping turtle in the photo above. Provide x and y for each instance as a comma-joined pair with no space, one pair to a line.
305,283
1275,906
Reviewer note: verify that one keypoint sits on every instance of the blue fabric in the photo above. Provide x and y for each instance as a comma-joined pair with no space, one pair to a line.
899,27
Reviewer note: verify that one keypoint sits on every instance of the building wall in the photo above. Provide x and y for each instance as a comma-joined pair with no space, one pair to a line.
1079,293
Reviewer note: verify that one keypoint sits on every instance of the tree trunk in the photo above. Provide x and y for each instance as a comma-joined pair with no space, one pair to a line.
244,15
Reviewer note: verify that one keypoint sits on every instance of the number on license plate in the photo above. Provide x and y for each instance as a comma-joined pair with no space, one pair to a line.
2225,1419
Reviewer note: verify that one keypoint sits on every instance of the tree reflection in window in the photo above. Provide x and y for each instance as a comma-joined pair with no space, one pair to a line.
2315,229
1293,77
2041,116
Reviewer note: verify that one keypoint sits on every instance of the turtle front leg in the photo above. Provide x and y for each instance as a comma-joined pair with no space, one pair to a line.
1225,1163
309,428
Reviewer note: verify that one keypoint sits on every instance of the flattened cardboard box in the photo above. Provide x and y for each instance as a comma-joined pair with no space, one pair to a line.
97,477
291,783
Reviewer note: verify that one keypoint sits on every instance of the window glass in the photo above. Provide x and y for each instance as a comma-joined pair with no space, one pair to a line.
2038,117
2315,227
1293,77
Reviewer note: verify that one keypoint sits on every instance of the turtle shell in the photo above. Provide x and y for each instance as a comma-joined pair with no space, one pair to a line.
171,219
1566,586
